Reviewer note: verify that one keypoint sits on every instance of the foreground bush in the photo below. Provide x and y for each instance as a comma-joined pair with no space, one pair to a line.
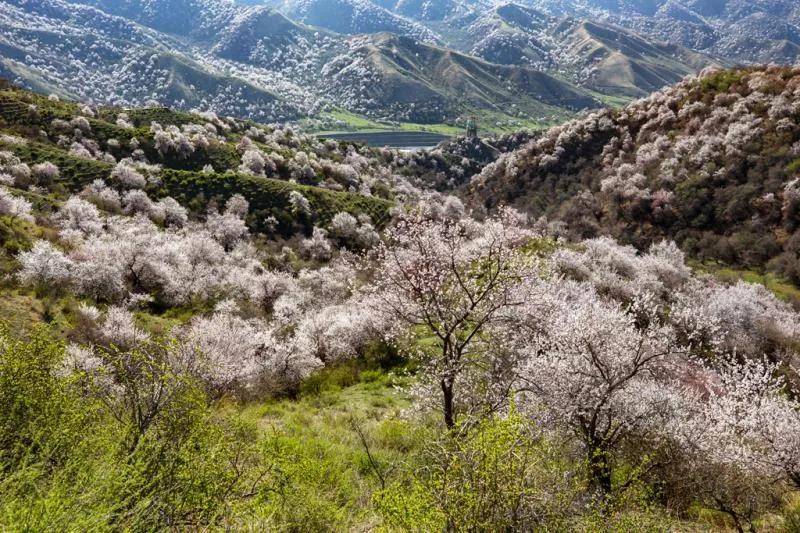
145,454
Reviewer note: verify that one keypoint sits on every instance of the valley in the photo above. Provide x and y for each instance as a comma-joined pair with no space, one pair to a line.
398,265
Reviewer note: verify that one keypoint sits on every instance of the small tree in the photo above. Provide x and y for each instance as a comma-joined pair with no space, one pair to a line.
452,279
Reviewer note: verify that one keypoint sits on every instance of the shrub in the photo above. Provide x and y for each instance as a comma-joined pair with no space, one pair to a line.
496,476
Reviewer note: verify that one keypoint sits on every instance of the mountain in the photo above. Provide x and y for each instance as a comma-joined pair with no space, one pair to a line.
254,62
739,31
82,52
711,162
353,17
426,61
425,83
511,34
599,56
251,61
734,31
428,10
197,18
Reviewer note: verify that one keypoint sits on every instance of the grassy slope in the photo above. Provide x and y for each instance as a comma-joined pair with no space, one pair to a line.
488,121
330,479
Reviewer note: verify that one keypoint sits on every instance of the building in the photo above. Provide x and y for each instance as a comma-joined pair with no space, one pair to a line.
472,128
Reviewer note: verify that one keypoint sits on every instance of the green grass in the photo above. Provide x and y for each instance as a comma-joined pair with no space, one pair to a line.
326,475
612,100
499,122
779,286
444,129
354,122
488,122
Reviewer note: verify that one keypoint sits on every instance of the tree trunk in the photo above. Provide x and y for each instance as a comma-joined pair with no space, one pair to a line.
447,403
599,470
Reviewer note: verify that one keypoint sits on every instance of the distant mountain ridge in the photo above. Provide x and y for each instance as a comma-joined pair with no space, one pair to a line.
596,55
591,49
253,62
739,31
729,31
426,61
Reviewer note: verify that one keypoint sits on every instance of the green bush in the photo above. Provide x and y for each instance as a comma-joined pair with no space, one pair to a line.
75,455
496,476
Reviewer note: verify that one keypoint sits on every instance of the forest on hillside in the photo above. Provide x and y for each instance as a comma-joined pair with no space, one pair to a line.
711,162
209,323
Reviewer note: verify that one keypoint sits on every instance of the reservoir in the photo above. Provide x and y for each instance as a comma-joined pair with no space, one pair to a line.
406,140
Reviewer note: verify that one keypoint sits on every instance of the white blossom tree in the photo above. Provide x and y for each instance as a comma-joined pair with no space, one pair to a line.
591,368
78,215
15,206
453,279
46,266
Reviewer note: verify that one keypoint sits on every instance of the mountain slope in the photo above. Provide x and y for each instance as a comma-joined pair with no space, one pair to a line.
353,17
712,162
197,18
79,51
735,30
599,56
596,55
36,129
429,83
623,63
251,61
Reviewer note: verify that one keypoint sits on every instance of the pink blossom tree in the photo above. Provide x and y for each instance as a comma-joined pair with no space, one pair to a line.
450,281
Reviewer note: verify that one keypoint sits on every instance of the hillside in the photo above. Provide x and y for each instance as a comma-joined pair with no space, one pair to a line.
199,157
711,162
208,323
596,55
623,63
353,17
424,83
113,60
739,31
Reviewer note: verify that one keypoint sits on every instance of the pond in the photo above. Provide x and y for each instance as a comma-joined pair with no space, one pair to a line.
406,140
